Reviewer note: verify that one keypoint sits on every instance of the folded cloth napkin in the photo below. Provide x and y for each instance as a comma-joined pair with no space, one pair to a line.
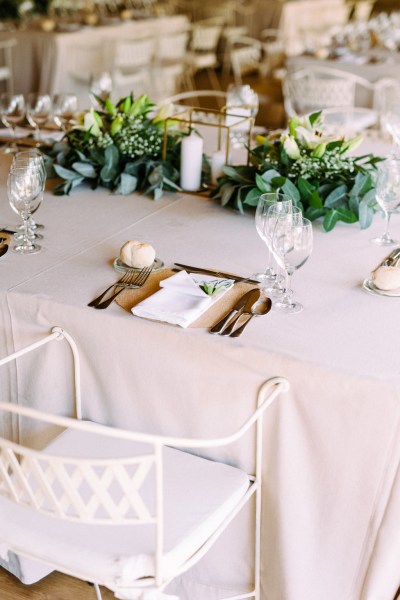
180,300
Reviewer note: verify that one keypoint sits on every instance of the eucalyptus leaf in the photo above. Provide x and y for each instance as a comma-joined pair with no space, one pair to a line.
365,214
127,185
291,190
227,192
336,197
314,213
66,173
346,215
252,197
305,188
85,169
262,185
330,219
158,192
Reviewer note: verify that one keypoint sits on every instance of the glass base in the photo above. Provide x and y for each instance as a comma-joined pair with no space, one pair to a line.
21,249
34,236
291,309
263,277
384,241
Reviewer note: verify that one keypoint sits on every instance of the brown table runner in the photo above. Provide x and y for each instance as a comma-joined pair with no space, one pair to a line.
129,298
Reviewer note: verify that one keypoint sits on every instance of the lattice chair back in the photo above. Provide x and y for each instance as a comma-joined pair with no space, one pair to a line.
84,490
245,57
85,60
306,90
172,48
131,55
205,37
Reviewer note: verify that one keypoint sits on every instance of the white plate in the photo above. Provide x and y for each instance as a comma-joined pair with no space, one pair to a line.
119,265
369,285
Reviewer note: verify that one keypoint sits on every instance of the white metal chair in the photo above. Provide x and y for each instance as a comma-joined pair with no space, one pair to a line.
362,10
274,55
169,64
245,56
202,55
132,66
307,90
6,68
130,511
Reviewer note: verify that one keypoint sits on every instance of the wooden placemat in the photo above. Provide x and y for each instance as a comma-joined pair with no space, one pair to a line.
129,298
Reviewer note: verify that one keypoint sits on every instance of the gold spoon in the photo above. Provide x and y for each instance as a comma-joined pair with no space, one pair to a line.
262,307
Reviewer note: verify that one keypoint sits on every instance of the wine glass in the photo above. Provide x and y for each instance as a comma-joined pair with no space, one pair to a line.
38,110
292,244
65,107
12,112
264,203
387,194
24,187
31,158
274,211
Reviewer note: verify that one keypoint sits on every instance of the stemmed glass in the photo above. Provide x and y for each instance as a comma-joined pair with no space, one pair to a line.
65,107
292,244
24,187
387,194
264,203
12,112
34,159
38,110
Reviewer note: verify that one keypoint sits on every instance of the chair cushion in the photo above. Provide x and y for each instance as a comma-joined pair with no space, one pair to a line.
198,495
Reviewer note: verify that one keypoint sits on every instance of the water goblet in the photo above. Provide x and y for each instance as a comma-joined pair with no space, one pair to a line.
12,112
292,244
24,186
38,110
274,211
387,194
35,159
264,203
65,106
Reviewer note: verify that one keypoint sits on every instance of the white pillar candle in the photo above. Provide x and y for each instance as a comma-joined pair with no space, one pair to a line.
191,162
218,161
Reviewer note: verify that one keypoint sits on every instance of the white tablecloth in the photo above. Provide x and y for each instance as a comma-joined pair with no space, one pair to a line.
49,62
332,444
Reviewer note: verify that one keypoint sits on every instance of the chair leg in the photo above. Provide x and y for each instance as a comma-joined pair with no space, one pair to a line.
214,80
98,592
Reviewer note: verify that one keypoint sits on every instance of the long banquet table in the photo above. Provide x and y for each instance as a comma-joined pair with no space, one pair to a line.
332,444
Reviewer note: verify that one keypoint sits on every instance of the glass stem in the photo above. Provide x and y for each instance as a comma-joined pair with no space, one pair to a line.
288,293
26,241
269,271
388,214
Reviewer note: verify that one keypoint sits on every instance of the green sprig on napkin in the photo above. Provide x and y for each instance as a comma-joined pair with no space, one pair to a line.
215,286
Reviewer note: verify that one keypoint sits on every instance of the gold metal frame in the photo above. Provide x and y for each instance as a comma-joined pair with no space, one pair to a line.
186,117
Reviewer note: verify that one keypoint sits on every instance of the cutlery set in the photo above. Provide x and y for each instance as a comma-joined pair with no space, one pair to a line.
132,279
232,324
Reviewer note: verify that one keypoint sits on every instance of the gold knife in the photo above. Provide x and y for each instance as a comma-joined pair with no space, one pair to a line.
236,278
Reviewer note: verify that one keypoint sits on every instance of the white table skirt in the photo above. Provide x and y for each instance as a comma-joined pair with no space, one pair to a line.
332,444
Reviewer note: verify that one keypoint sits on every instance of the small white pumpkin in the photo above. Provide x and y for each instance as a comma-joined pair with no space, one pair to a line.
137,254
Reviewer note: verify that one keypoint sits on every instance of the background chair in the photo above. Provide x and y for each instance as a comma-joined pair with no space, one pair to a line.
6,66
132,66
202,55
66,505
245,56
307,90
169,64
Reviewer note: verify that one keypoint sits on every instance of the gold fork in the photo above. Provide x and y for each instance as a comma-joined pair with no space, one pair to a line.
136,280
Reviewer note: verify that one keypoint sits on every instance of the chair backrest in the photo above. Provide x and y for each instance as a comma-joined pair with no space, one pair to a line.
312,89
131,55
197,99
6,64
245,56
85,60
205,36
172,48
386,94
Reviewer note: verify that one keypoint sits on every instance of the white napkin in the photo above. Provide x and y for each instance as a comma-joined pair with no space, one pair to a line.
180,301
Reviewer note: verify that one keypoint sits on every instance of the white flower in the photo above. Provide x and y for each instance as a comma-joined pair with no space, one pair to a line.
91,121
291,148
311,138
